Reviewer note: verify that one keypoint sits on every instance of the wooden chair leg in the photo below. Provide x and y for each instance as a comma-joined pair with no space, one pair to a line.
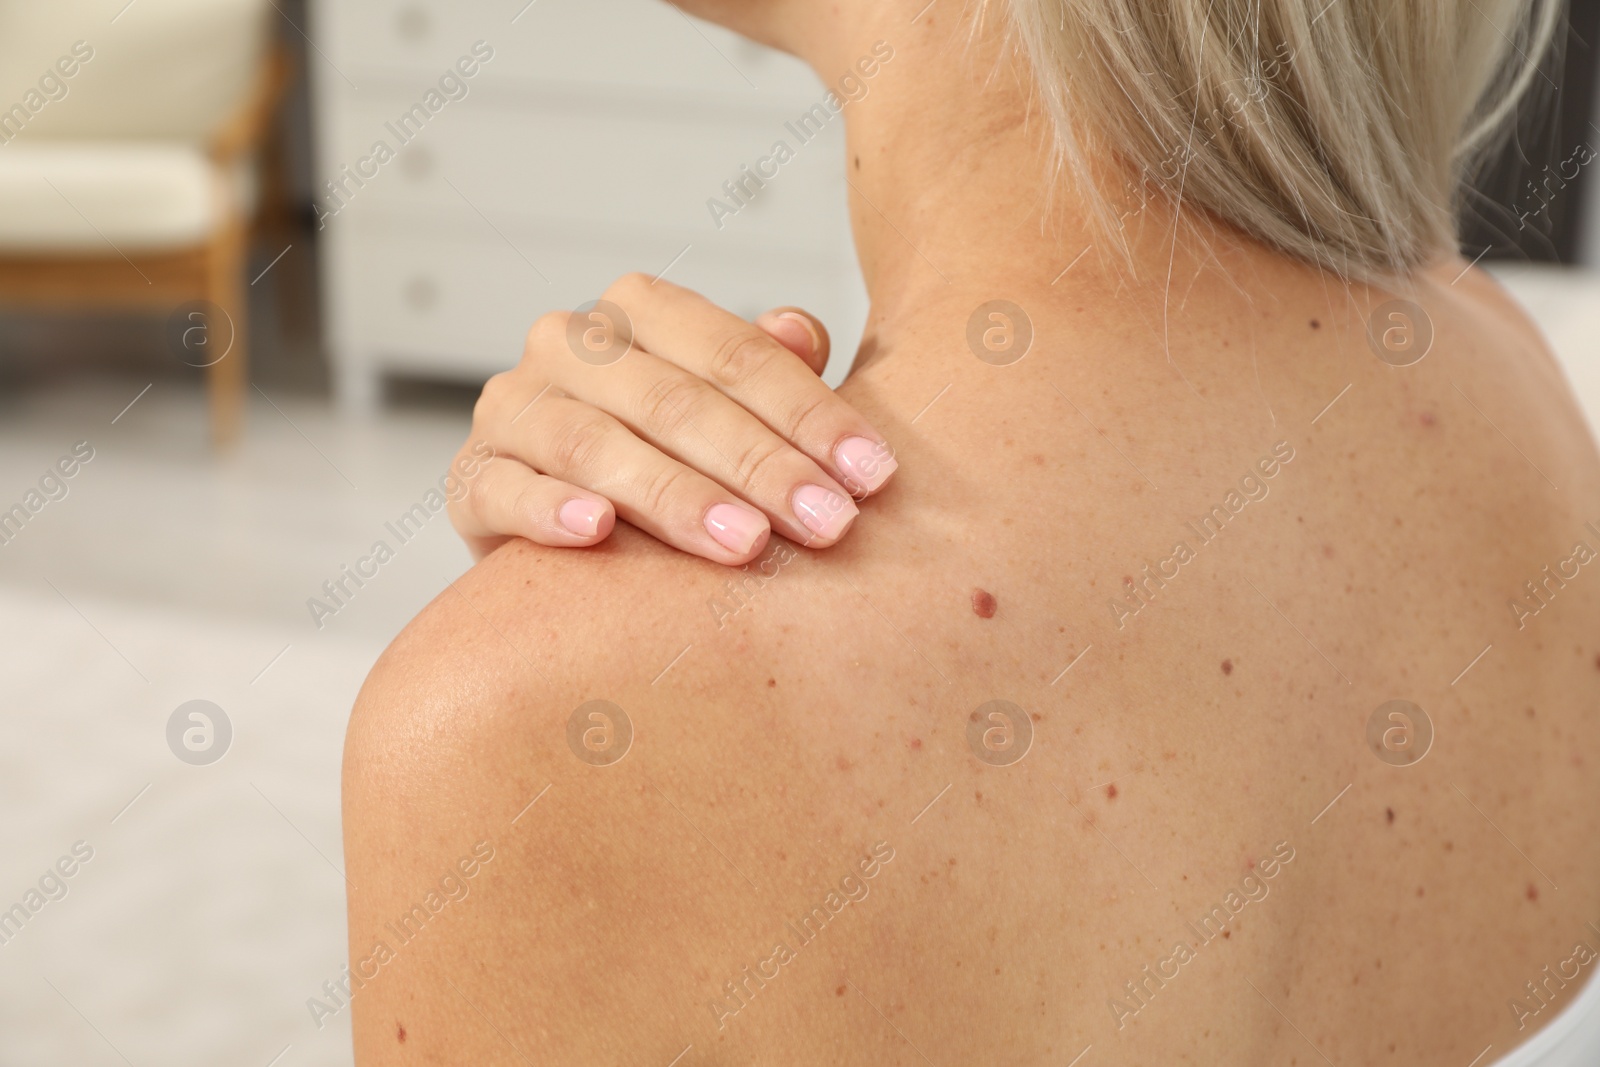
228,379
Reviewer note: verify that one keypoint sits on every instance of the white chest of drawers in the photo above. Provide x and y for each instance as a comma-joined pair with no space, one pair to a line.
481,162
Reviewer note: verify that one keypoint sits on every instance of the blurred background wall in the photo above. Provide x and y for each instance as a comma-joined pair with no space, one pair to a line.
253,338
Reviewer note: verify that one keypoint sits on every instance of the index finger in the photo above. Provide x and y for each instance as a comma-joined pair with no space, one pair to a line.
756,372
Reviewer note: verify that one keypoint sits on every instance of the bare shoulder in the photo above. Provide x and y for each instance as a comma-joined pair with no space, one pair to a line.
575,729
487,675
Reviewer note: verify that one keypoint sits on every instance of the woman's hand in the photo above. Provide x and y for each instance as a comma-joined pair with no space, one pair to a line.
699,428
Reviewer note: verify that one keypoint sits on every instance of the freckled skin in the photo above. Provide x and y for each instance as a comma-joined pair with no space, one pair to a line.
618,906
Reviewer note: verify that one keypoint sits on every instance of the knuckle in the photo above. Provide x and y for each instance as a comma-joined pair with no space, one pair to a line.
657,490
754,461
626,284
481,494
580,440
492,398
528,503
739,357
806,412
676,400
548,331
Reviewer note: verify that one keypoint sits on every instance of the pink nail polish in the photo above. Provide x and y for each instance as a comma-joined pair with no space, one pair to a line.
865,464
823,511
582,517
804,324
734,528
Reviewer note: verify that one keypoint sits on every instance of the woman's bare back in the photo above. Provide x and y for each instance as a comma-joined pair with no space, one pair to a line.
1084,740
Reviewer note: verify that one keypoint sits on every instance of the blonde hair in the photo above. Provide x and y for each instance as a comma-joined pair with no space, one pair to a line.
1337,131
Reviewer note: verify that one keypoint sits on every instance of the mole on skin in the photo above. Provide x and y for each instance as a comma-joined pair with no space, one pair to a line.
983,604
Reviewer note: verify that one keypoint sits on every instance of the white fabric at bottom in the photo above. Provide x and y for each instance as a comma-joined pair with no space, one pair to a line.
1571,1040
67,196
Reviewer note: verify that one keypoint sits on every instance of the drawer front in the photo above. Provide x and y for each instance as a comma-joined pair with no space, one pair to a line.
642,43
559,161
431,299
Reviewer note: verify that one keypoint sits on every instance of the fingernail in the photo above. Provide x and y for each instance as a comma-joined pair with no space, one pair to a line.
582,517
865,464
734,528
823,511
806,329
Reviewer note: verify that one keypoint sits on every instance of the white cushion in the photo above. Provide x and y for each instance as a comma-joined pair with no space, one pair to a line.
73,197
164,70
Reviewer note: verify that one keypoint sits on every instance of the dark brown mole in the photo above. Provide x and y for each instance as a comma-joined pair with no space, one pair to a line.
1389,814
1227,666
983,603
1315,325
1533,891
1111,791
400,1032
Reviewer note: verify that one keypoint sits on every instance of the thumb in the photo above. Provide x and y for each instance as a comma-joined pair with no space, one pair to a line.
800,332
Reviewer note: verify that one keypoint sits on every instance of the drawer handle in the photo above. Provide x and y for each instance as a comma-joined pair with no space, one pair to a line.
416,162
421,293
413,23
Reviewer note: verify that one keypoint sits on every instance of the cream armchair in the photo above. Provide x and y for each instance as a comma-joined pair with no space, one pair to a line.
127,141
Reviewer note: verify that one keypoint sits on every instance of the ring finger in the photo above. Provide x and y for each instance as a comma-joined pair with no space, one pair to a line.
577,443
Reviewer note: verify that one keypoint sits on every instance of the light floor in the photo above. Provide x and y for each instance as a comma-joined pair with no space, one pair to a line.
213,905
